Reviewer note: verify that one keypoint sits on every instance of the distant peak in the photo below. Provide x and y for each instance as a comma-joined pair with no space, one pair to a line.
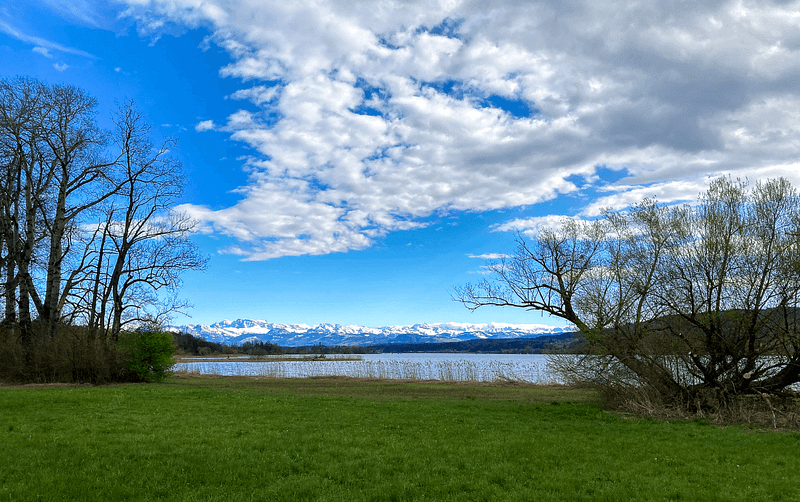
241,330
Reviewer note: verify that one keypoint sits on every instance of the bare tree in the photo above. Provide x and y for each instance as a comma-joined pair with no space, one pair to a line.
87,232
24,191
144,244
81,180
697,302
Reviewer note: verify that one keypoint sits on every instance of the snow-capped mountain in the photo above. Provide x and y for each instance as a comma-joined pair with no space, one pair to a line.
295,335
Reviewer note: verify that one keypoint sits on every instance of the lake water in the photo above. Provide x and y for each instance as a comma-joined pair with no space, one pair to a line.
416,366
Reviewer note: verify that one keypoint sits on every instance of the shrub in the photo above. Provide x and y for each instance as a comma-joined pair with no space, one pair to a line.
70,354
150,355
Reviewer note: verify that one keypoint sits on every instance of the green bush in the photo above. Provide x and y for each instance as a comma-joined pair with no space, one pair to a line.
150,355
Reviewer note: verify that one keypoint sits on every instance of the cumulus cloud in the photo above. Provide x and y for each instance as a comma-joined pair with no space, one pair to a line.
257,95
205,125
622,196
369,117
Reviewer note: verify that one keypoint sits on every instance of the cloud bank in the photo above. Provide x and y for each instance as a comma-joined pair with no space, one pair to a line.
367,117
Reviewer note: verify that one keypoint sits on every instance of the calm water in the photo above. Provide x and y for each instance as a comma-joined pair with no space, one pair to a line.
531,368
420,366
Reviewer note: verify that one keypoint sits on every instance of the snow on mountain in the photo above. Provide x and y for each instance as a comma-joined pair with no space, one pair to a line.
294,335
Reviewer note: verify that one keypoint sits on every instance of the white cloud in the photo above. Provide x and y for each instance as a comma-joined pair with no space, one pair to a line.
40,43
43,51
84,11
622,196
532,226
205,125
490,256
258,95
302,223
382,113
60,66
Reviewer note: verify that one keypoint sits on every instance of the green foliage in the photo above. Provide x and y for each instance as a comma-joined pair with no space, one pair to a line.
335,439
150,355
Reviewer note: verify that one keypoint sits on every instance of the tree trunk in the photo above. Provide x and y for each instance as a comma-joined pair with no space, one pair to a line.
94,323
10,315
50,313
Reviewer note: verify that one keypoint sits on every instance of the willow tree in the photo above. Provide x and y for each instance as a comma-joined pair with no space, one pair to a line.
698,302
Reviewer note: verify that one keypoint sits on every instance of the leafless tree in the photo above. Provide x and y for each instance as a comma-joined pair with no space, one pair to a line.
80,181
24,193
699,302
144,245
87,233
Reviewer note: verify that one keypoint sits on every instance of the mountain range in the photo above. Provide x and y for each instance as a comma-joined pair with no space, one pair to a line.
297,335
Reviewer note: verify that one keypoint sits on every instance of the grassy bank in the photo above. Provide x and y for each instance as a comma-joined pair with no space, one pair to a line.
341,439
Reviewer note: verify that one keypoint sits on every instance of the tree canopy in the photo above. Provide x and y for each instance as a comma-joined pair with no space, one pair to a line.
697,301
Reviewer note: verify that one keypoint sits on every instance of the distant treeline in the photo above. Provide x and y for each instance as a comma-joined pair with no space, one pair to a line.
566,343
189,344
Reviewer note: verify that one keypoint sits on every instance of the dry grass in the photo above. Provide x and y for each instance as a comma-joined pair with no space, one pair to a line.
777,412
391,389
268,358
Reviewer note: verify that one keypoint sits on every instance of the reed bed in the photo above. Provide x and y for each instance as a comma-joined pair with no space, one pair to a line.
448,371
268,358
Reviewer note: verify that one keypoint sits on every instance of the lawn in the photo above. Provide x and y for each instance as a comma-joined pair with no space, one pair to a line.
345,439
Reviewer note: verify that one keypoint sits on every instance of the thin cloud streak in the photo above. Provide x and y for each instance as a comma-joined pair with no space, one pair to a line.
80,10
41,43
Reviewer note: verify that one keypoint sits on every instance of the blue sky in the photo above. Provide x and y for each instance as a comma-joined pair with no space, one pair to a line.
353,162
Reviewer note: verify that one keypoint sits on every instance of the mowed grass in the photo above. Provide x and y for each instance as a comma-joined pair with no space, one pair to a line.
345,439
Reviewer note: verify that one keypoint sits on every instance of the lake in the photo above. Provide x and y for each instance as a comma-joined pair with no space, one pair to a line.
415,366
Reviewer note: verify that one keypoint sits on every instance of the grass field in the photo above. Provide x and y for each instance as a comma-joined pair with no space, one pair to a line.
342,439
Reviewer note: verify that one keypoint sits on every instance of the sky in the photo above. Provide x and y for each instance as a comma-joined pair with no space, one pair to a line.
353,162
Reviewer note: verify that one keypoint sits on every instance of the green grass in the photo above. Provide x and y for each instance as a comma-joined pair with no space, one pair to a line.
341,439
